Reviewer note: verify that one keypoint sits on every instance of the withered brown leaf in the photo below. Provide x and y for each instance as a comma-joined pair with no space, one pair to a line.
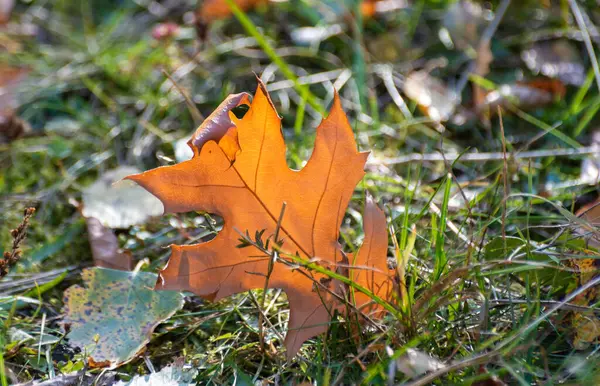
248,188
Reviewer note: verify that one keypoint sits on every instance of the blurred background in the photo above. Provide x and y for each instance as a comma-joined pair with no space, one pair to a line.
94,90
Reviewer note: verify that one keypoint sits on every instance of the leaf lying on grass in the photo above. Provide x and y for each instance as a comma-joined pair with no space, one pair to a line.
524,95
119,204
112,317
296,212
105,247
415,363
556,59
432,96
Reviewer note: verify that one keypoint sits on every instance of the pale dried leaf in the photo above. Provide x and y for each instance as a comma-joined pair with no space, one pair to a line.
556,59
415,363
522,95
464,22
105,247
431,94
119,204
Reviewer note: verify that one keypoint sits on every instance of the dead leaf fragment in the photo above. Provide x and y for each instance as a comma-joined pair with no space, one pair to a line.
119,204
11,126
431,94
492,380
463,23
526,95
10,77
211,10
415,363
249,193
556,59
113,316
105,247
6,7
217,125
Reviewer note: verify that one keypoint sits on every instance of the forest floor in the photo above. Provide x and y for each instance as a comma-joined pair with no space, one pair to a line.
480,119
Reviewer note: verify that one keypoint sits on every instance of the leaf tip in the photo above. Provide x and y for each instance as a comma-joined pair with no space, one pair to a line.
371,205
262,92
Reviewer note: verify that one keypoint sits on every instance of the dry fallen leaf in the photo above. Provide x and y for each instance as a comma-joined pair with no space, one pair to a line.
119,204
105,247
463,24
249,188
112,317
415,363
370,260
525,95
10,77
11,126
6,7
556,59
431,94
211,10
492,379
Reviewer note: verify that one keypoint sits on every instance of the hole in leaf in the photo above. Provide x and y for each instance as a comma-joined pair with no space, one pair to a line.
240,111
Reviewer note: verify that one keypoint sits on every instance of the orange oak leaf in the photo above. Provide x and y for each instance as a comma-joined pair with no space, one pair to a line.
249,191
371,268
